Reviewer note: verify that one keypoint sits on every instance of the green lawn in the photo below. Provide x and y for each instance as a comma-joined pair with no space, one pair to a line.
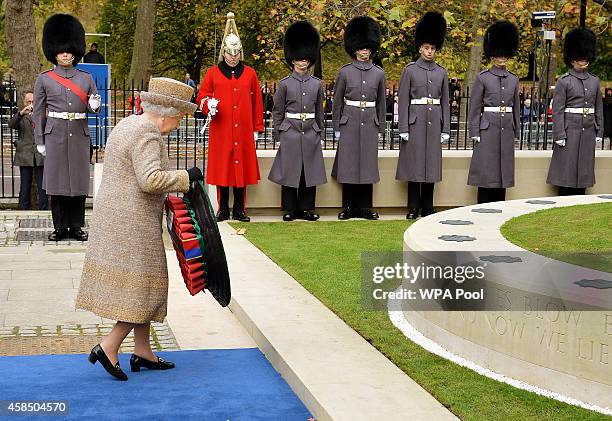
325,258
581,234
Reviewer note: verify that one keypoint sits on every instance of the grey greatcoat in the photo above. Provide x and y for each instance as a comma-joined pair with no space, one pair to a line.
573,165
420,158
357,154
66,141
300,140
492,163
26,154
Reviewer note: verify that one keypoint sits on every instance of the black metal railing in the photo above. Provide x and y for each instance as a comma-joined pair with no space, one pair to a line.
187,145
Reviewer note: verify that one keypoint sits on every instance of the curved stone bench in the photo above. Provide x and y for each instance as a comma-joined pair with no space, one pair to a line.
566,355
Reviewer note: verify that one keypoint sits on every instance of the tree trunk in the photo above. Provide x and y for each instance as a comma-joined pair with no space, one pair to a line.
142,54
20,32
476,50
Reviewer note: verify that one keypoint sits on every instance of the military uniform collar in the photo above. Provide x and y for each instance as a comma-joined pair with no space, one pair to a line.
498,71
229,71
65,72
427,65
580,75
301,78
362,65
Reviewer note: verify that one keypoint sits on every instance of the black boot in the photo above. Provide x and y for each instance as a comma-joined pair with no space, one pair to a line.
427,211
78,234
58,235
308,216
289,216
368,213
412,214
97,354
347,213
240,216
223,215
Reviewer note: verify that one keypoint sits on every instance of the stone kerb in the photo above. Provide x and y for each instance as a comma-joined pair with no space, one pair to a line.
566,355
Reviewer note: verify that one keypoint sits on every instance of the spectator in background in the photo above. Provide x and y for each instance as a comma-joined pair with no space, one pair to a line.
134,104
93,56
454,88
267,99
189,81
607,109
389,104
29,160
328,102
526,111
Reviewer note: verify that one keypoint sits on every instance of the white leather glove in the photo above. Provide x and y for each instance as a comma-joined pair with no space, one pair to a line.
598,139
405,136
41,149
560,142
380,137
95,102
476,139
444,137
337,134
212,106
255,136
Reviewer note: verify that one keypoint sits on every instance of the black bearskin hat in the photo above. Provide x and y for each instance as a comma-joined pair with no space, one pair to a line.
431,29
579,44
361,32
63,34
501,39
301,42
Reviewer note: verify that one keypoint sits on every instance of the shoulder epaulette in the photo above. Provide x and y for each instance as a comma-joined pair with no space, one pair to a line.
285,78
376,65
484,71
84,71
347,64
564,75
46,71
316,78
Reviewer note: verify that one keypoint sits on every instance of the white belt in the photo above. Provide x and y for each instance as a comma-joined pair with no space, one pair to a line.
68,116
498,109
425,101
360,104
300,116
584,111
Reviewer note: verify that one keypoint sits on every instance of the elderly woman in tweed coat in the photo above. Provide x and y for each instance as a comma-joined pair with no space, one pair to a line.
125,275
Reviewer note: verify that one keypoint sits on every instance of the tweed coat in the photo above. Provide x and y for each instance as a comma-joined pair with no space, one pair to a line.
26,154
573,165
125,276
357,153
300,141
420,158
66,142
492,164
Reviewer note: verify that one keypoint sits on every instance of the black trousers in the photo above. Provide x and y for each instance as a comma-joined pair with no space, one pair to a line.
239,198
357,195
491,194
571,191
68,212
298,199
420,195
26,174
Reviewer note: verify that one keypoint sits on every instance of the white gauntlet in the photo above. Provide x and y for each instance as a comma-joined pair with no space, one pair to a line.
405,136
41,149
337,135
560,142
212,105
444,137
95,102
476,139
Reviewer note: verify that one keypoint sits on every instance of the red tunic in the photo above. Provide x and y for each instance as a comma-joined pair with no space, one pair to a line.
232,159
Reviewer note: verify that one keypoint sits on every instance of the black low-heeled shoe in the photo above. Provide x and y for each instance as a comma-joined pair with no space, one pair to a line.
137,362
97,354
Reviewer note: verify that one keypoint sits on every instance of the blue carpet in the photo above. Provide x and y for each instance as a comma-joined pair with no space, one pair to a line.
238,384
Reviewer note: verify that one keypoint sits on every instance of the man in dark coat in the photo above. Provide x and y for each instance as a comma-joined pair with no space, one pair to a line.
494,116
93,56
298,123
27,158
577,117
62,98
424,117
359,119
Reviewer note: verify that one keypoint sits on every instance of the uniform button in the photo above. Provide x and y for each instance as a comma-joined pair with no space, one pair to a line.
70,103
502,115
503,102
503,87
304,107
429,94
234,89
502,128
235,143
236,124
430,81
235,106
585,89
302,132
363,109
429,109
303,93
363,81
70,134
583,129
363,96
362,124
236,162
429,122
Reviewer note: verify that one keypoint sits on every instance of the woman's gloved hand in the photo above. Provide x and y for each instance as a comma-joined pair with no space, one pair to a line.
195,174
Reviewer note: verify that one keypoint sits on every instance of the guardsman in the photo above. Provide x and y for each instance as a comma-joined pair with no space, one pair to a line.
298,124
494,116
359,119
577,117
62,98
424,117
230,92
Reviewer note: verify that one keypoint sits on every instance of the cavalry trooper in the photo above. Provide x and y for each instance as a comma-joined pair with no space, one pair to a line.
359,119
577,117
494,116
230,92
424,117
62,98
298,121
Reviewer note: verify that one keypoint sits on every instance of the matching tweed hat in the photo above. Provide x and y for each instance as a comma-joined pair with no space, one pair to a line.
579,43
501,40
63,34
361,32
301,42
431,29
169,93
